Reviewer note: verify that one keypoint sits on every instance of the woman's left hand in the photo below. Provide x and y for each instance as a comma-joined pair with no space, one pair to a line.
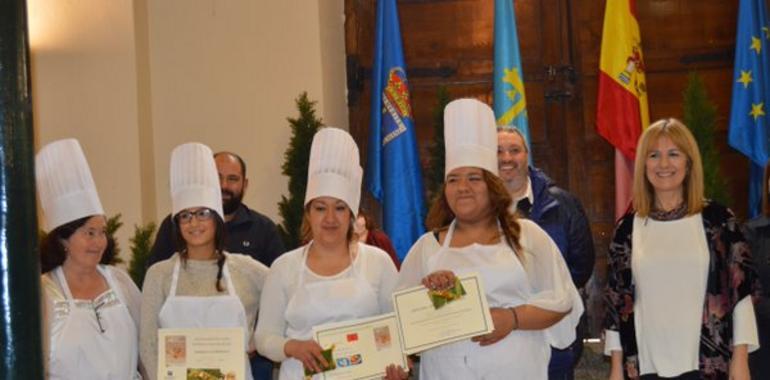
395,372
739,363
504,322
438,280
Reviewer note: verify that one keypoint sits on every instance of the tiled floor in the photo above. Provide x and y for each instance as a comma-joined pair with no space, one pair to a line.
593,365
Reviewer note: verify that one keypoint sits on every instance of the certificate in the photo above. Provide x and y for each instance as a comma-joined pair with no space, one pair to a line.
422,326
215,354
361,348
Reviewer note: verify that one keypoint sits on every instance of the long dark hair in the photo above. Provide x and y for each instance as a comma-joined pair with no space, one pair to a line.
440,214
219,245
52,252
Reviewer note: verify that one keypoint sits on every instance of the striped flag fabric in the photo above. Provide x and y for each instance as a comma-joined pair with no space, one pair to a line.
621,111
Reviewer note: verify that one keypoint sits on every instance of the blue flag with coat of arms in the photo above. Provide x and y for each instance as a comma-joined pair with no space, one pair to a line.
393,173
510,104
751,93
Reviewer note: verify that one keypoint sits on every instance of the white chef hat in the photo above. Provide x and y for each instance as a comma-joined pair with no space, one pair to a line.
470,135
333,170
64,184
194,179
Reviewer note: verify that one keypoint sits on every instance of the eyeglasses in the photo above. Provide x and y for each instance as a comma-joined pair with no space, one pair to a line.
92,233
97,307
201,215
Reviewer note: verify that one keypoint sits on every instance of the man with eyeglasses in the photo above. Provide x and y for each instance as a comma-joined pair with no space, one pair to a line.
561,215
247,231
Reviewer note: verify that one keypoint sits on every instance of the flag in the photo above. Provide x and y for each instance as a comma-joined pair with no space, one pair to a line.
393,174
621,110
510,104
751,93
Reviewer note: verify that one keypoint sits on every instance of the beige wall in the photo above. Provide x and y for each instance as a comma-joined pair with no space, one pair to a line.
84,86
133,79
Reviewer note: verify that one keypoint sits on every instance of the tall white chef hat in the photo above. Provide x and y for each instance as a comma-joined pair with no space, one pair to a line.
470,135
194,179
333,170
64,184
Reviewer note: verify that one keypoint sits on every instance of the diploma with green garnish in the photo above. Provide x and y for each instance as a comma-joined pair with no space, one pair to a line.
428,319
362,347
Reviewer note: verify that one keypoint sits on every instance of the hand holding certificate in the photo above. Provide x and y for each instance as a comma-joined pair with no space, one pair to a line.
460,316
361,348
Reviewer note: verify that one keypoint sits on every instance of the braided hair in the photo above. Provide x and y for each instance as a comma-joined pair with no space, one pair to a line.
219,245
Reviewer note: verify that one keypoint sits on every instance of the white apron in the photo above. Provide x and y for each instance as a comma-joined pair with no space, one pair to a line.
98,340
344,298
522,354
205,311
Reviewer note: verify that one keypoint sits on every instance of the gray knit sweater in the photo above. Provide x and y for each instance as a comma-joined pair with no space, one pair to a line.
196,278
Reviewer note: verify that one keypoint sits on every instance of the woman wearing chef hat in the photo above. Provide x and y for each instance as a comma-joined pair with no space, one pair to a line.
90,309
533,302
202,286
333,278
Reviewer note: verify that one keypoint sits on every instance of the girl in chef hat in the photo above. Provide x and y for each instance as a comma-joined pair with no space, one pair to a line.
201,286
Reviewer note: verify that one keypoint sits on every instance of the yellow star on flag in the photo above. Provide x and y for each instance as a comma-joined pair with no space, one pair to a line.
756,44
745,78
757,110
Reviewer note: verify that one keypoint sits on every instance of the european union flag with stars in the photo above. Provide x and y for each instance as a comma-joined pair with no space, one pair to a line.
751,93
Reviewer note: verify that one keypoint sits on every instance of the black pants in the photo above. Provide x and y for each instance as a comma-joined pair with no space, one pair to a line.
694,375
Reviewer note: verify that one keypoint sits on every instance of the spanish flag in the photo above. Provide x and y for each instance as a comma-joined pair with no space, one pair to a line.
622,110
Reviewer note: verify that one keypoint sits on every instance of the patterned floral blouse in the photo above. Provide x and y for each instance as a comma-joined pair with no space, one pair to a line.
731,277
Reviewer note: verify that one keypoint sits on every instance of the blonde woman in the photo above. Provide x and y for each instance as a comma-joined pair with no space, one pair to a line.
680,274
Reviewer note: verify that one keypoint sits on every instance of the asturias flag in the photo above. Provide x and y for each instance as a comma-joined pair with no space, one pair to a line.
751,93
393,174
622,111
510,104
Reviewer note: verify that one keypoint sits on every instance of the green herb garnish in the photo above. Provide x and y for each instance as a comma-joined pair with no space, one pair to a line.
439,298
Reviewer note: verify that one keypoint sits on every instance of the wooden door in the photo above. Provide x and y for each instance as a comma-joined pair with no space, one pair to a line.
450,43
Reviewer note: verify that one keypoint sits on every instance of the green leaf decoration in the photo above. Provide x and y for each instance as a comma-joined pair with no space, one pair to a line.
440,298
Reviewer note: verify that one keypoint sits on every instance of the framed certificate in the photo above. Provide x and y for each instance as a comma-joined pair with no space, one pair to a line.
422,326
216,354
362,348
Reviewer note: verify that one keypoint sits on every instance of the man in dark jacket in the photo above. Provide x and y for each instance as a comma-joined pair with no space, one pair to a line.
557,212
246,232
